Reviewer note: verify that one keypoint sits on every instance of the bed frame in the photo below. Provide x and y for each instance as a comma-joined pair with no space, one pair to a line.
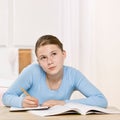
25,58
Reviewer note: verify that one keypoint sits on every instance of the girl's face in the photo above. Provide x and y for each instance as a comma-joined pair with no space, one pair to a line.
51,58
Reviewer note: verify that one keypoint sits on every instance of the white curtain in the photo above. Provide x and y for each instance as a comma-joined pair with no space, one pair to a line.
69,30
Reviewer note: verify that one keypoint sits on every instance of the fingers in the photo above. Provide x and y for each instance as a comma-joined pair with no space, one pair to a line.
51,103
47,104
29,101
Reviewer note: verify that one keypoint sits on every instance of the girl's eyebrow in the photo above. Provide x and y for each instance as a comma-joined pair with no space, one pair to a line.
45,55
54,51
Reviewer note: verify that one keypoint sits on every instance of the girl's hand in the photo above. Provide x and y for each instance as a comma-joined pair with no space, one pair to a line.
51,103
29,101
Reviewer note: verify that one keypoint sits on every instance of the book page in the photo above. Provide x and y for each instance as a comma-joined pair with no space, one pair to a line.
99,110
74,107
55,110
87,109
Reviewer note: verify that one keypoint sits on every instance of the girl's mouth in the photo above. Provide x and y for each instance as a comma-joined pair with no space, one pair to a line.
51,68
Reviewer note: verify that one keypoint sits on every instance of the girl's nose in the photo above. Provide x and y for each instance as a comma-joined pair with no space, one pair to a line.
49,61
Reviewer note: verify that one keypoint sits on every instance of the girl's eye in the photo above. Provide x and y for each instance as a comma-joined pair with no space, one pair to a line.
53,54
43,58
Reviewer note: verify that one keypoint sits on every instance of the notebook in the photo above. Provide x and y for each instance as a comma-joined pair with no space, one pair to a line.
75,108
13,109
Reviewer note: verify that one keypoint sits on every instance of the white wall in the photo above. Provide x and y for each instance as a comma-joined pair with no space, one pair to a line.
89,30
33,18
107,36
3,22
99,46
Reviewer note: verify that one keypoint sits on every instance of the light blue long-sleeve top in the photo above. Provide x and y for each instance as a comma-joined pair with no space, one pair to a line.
33,79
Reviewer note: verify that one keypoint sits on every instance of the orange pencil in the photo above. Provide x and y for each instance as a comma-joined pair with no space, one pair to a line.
25,92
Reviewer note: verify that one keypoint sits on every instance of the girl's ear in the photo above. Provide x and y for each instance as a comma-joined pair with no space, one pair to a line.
64,53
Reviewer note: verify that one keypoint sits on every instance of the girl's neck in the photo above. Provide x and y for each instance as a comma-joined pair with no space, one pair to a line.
54,78
54,81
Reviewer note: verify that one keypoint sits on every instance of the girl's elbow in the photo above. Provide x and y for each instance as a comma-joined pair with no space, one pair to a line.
105,103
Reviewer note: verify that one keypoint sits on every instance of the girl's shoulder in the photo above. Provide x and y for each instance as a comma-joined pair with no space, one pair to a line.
33,67
71,70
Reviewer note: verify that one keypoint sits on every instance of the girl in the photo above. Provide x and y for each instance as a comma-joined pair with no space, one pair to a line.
50,82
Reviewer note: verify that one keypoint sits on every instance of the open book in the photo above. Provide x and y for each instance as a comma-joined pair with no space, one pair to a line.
74,108
13,109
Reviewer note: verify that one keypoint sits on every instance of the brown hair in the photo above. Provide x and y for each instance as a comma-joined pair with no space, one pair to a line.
46,40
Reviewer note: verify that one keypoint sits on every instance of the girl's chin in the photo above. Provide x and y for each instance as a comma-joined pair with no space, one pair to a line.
52,72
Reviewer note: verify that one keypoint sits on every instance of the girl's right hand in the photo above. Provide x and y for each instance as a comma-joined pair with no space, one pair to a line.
29,101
